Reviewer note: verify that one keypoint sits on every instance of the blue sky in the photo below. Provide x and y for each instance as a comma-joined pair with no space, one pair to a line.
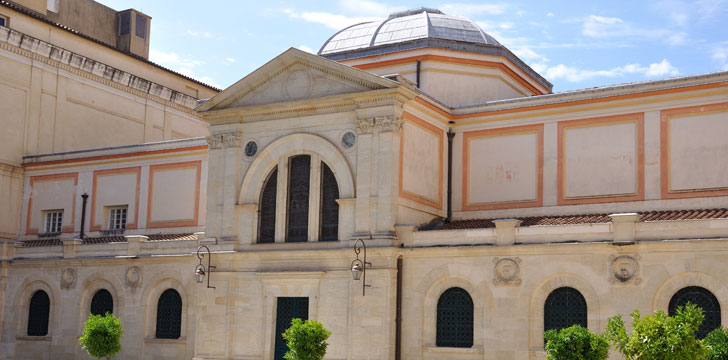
574,44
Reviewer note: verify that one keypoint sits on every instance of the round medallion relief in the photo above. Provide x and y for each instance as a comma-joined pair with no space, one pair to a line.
506,270
624,268
68,278
251,148
348,140
298,85
133,276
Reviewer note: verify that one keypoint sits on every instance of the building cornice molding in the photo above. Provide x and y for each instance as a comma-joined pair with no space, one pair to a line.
46,53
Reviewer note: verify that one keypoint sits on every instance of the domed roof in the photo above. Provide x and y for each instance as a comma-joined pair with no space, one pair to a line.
405,26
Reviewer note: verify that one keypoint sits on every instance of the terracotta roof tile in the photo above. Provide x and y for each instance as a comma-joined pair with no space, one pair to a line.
647,216
110,240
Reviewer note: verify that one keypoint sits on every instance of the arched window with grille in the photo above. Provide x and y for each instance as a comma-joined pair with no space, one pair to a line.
455,319
564,307
102,303
169,315
267,209
38,313
329,230
299,181
702,298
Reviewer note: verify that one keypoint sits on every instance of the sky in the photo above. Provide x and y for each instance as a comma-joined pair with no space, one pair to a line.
573,44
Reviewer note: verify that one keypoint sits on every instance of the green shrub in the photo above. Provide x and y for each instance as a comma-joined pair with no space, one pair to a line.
659,336
102,336
575,343
717,342
306,340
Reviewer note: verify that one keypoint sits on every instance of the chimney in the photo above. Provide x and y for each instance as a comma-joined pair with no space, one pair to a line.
134,32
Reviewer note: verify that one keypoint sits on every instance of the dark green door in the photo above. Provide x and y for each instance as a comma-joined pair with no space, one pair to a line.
288,308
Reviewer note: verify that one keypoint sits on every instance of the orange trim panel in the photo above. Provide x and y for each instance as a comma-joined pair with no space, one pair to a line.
197,165
665,116
39,178
638,119
467,136
104,157
130,170
437,132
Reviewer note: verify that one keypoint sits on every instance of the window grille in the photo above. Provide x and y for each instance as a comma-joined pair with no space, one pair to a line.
102,303
455,319
705,300
329,207
267,210
117,218
288,308
38,312
299,180
53,221
169,315
564,307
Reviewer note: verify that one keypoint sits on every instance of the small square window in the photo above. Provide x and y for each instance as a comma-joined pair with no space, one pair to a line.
53,221
117,217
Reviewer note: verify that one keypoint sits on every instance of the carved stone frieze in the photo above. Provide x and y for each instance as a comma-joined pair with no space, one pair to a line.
378,123
507,271
228,139
624,269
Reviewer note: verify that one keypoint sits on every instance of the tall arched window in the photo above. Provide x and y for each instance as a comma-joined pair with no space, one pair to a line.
705,300
267,209
102,302
455,319
564,307
299,181
169,315
38,312
329,207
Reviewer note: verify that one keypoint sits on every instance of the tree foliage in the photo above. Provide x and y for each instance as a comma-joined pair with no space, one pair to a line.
659,336
575,343
717,342
306,340
102,336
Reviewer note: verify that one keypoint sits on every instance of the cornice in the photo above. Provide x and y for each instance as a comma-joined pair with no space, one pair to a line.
49,54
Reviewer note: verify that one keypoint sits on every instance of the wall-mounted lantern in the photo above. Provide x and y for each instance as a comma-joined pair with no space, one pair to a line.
200,269
359,267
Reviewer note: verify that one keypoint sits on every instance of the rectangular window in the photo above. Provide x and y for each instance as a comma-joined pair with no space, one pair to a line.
117,218
3,21
125,23
141,26
53,221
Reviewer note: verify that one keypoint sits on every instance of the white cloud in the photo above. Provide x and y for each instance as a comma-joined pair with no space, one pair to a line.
368,8
202,34
601,27
306,49
550,14
527,54
230,60
574,74
182,65
472,9
720,55
333,21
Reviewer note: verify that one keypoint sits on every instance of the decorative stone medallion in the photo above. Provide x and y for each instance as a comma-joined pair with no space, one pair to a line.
298,85
251,148
133,276
507,271
348,140
624,269
68,278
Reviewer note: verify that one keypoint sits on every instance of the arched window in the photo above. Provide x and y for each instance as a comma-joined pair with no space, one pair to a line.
309,213
169,315
267,210
455,319
329,207
299,181
38,312
102,303
705,300
564,307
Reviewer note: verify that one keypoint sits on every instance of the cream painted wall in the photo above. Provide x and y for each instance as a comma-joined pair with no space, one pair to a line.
698,151
421,162
115,190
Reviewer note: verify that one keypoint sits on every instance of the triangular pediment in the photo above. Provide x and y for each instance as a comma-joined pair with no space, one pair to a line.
293,76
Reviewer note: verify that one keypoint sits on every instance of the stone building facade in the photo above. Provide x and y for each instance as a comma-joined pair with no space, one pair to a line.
491,209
